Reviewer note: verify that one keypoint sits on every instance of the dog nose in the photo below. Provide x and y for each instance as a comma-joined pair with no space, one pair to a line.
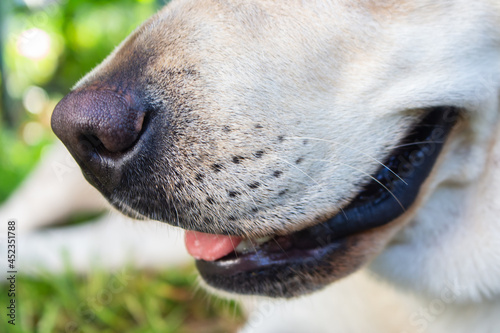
98,127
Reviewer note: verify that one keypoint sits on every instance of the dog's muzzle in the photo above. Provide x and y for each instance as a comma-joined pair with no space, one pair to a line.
307,260
107,133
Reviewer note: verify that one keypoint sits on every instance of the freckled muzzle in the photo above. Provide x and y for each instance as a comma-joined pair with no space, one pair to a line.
127,151
307,260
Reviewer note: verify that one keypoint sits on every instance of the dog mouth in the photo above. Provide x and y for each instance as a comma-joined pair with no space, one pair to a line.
309,259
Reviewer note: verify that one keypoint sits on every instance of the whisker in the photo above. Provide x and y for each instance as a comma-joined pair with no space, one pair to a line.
355,149
283,250
302,171
416,143
255,251
176,214
307,175
129,210
375,179
234,248
343,212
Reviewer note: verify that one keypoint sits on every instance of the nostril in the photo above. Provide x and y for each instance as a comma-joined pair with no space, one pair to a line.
91,142
115,134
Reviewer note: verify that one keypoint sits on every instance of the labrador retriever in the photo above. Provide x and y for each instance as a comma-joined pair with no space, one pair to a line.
300,142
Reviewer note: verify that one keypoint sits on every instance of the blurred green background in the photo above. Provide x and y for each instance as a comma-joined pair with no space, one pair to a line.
46,46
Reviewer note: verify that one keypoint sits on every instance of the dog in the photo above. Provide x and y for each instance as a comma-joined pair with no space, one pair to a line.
341,155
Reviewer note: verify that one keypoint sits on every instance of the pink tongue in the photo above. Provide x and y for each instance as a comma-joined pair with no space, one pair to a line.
210,247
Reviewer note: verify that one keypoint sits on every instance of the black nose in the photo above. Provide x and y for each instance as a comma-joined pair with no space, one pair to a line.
98,127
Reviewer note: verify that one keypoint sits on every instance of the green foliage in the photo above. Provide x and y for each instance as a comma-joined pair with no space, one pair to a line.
123,301
82,34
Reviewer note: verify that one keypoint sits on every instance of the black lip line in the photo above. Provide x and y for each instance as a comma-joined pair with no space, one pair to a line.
385,208
403,175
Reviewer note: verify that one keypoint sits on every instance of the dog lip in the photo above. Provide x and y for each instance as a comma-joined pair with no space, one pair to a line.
282,267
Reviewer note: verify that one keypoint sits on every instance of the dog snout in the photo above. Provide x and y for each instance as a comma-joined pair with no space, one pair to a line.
98,127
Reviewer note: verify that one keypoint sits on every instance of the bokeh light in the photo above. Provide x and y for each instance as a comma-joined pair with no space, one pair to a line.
34,44
35,99
33,133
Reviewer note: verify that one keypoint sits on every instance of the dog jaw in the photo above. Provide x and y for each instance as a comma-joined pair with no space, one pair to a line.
257,127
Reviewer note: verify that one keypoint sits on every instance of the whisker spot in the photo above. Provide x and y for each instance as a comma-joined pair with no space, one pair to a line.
254,185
